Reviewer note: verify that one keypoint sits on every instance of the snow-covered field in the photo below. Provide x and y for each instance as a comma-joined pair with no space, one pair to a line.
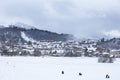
49,68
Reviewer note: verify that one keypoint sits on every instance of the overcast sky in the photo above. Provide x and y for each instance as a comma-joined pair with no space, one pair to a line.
77,17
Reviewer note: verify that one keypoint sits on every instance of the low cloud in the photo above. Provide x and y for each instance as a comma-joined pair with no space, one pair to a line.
112,34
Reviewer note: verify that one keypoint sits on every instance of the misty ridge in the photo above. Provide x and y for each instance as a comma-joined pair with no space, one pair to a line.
15,31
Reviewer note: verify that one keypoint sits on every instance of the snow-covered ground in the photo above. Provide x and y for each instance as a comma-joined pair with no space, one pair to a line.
49,68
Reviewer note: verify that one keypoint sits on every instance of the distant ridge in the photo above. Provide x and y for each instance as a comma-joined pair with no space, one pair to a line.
13,33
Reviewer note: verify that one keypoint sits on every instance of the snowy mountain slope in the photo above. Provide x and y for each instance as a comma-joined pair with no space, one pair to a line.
50,68
1,26
14,32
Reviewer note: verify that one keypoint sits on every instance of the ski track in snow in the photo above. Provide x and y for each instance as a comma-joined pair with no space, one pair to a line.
49,68
25,37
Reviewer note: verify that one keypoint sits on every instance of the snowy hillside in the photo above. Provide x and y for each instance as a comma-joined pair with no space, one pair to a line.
1,26
50,68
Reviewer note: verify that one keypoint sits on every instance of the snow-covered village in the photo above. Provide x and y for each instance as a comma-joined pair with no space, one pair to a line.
71,48
59,39
87,48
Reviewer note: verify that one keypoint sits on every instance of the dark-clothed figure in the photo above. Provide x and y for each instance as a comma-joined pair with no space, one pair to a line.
62,72
80,74
107,76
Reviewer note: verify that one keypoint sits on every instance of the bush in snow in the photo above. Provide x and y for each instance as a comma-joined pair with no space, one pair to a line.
106,59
